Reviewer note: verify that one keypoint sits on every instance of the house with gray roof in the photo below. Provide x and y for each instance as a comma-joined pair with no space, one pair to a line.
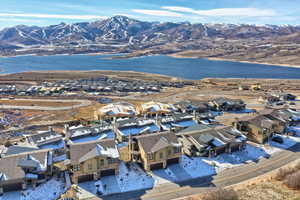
210,140
226,104
17,171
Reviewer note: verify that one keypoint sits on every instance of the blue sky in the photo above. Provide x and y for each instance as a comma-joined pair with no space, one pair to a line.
46,12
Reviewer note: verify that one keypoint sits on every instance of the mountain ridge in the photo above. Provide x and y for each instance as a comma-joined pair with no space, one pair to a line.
275,44
125,29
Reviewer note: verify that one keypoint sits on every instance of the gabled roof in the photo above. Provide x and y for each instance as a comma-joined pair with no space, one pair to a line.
16,149
9,165
81,152
44,137
157,141
160,144
205,135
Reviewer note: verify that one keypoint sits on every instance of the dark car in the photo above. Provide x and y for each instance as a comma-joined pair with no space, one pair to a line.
278,139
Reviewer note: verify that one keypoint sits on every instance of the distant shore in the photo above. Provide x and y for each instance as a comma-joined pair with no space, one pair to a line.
234,60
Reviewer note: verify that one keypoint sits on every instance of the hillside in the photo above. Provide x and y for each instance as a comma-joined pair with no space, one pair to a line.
265,44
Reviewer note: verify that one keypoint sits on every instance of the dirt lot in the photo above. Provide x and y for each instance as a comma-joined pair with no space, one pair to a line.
37,103
72,75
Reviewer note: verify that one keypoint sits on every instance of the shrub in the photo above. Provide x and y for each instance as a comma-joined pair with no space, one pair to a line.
293,180
284,172
221,194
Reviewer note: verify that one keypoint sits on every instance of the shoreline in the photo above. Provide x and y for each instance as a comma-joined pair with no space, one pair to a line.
233,60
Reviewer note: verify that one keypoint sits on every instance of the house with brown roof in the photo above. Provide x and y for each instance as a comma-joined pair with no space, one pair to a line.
155,151
17,171
92,160
258,128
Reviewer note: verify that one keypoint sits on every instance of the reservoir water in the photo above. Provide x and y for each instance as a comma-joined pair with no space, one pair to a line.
180,67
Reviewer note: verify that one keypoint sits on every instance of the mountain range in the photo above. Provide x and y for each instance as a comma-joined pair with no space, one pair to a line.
120,34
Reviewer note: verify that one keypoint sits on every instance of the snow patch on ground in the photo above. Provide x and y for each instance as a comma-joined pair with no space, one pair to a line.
196,166
50,190
133,178
130,178
273,147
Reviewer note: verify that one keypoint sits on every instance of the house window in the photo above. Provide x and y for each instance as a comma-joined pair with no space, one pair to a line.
150,156
76,168
169,152
110,160
177,149
102,161
98,164
161,155
90,166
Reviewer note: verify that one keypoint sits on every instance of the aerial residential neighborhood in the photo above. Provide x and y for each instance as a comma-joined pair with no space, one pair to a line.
132,147
149,100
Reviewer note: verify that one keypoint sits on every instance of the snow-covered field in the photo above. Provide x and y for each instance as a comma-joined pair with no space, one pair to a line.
50,190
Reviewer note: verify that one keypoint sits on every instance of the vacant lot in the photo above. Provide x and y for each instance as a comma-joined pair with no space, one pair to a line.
37,103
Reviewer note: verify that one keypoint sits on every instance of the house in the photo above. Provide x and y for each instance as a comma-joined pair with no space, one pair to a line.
282,119
210,140
115,110
47,140
126,127
17,171
225,104
155,108
287,117
283,96
93,160
255,87
177,121
258,128
192,106
269,99
77,134
155,151
244,87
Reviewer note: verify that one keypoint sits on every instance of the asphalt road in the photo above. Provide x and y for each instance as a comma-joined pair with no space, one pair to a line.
226,178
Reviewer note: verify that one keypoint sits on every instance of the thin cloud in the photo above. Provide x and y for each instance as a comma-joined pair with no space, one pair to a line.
158,13
20,20
221,12
52,16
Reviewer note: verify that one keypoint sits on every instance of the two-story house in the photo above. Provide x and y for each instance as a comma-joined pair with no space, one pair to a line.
19,170
92,160
155,151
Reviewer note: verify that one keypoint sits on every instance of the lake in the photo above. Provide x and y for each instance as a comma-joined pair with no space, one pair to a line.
180,67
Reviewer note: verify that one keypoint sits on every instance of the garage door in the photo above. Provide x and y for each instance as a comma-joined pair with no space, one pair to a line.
85,178
12,187
220,150
108,172
172,161
156,166
234,148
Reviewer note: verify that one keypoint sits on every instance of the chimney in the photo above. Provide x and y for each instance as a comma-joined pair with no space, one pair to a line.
67,134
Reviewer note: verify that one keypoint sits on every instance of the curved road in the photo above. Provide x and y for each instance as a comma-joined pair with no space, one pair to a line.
226,178
81,102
